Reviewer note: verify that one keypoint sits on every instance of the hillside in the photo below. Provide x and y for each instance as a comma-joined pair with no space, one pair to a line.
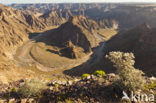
140,41
14,29
77,53
53,17
64,47
75,37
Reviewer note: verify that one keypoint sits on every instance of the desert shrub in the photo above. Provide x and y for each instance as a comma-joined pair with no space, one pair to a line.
99,73
33,87
131,79
85,76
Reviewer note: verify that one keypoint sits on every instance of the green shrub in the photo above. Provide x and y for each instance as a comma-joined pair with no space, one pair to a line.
13,90
99,73
33,87
150,86
68,101
56,85
85,76
131,79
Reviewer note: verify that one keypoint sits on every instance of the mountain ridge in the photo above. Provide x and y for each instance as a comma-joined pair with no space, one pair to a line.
76,35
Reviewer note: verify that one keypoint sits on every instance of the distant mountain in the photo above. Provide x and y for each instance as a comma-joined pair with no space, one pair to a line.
42,8
53,17
56,14
76,36
142,42
130,16
127,15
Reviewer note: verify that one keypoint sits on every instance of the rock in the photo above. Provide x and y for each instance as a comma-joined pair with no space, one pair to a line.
88,81
59,82
12,100
23,100
93,77
51,88
54,82
152,78
88,77
111,75
31,100
64,83
3,101
100,80
69,82
76,80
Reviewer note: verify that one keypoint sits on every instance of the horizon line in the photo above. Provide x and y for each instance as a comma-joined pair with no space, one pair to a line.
124,2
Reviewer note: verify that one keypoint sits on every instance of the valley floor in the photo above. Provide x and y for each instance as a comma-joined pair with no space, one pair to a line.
35,55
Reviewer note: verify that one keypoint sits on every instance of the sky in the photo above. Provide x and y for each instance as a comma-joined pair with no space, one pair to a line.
68,1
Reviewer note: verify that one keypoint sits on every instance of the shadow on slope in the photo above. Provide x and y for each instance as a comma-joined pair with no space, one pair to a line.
96,62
